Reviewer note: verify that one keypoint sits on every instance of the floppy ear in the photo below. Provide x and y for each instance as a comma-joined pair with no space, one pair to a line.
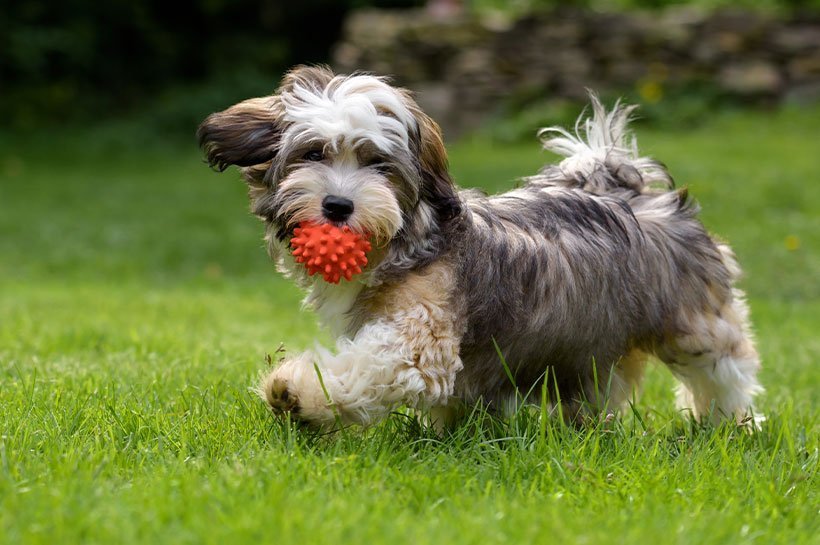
247,134
244,135
437,188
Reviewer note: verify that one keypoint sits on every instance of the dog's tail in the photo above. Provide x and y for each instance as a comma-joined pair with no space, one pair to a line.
602,154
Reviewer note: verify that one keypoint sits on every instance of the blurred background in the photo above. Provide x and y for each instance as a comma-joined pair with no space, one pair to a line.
515,64
101,179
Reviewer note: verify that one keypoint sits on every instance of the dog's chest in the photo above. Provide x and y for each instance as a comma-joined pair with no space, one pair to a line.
333,302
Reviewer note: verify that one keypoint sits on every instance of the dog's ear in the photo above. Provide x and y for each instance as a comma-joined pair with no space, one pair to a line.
437,188
244,135
247,134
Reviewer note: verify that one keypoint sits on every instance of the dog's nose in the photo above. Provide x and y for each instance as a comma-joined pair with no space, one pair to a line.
337,208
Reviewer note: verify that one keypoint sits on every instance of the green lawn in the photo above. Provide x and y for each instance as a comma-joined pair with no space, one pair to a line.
137,306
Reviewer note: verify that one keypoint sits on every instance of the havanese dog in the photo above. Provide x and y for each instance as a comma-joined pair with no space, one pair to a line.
576,277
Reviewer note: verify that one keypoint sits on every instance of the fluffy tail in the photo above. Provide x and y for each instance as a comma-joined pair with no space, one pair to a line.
602,154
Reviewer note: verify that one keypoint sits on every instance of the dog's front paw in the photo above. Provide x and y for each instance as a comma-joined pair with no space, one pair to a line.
294,388
279,397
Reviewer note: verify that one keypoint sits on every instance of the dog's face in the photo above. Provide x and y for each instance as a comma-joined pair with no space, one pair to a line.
347,150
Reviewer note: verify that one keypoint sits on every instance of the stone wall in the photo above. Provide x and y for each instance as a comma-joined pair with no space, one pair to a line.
465,68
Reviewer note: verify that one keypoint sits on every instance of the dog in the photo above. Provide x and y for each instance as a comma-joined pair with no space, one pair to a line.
575,278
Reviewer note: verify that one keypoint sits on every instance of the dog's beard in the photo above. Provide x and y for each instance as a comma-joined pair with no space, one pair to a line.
376,208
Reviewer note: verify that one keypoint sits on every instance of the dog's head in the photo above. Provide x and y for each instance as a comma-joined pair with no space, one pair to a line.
347,150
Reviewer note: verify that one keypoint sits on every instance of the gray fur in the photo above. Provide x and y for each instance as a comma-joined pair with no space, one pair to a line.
564,279
564,272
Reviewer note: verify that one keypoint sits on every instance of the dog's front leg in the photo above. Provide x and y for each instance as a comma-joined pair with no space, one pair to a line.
406,359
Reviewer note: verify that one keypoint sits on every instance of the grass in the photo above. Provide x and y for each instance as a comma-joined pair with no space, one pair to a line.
137,305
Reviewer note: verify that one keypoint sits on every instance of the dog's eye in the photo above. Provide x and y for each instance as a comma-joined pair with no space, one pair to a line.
314,155
379,165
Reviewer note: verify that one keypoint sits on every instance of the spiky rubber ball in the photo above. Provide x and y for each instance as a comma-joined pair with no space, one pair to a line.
334,252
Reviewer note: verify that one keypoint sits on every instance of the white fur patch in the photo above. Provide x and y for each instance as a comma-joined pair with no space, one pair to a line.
717,365
365,379
371,374
351,109
721,388
333,302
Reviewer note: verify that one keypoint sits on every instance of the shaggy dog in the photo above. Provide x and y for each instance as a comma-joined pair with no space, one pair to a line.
576,277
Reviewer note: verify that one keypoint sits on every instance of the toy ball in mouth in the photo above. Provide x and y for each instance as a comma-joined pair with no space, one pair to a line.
334,252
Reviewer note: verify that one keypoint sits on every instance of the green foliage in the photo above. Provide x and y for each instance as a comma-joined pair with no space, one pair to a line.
138,305
77,59
672,107
80,60
523,6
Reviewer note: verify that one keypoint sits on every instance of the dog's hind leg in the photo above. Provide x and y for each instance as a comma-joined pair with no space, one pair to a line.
716,363
609,390
626,380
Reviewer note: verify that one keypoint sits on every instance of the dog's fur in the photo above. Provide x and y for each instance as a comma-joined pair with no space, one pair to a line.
576,277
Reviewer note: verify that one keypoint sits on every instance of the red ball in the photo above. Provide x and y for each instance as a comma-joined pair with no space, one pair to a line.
334,252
